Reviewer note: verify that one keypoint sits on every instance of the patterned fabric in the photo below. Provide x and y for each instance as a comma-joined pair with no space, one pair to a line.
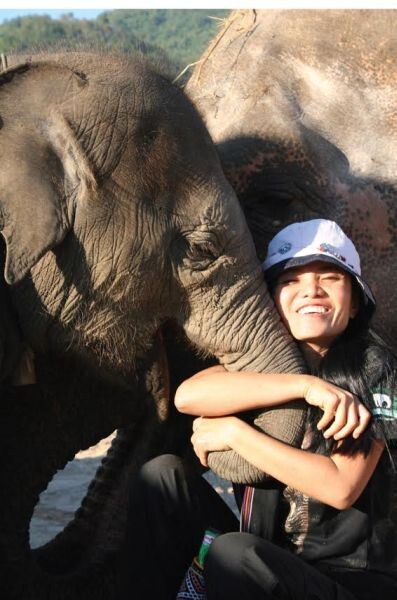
385,405
193,586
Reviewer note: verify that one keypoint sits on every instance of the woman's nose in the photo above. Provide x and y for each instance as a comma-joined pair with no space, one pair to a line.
312,288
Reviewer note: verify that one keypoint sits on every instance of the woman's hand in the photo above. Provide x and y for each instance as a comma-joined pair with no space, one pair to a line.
347,414
211,434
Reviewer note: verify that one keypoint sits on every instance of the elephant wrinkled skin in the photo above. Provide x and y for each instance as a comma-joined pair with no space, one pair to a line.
121,238
302,107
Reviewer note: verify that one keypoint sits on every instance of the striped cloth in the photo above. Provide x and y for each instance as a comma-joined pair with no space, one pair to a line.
246,509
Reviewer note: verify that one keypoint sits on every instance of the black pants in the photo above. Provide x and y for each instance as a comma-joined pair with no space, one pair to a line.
170,508
242,566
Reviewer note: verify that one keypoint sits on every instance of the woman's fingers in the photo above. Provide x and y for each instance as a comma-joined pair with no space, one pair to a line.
349,417
329,407
202,456
339,421
344,414
199,449
211,435
196,423
364,417
351,422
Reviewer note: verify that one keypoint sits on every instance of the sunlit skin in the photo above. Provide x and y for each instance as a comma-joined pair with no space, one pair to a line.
316,302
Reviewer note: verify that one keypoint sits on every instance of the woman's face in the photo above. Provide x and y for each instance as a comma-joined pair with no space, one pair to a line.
315,302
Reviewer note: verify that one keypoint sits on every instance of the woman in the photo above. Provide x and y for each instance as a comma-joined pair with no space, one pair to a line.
333,535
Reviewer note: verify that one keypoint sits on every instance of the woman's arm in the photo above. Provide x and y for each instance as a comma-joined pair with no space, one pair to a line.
337,480
216,392
207,371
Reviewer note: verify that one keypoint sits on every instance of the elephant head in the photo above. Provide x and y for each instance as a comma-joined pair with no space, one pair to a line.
301,105
117,220
108,176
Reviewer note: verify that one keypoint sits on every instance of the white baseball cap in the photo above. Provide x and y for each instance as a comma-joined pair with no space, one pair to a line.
319,239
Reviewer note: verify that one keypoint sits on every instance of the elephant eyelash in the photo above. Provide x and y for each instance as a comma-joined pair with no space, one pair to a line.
203,255
203,247
210,249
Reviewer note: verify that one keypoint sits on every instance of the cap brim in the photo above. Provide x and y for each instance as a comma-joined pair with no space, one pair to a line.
275,271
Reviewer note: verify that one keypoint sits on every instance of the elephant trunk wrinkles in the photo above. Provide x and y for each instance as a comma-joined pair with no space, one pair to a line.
243,329
258,341
266,347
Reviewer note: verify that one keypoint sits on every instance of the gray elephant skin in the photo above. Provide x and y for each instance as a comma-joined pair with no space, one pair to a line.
302,107
124,250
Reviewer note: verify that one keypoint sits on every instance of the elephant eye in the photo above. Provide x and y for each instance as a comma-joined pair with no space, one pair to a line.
209,249
203,254
202,249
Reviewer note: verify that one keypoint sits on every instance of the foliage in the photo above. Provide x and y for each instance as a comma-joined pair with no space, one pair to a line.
181,34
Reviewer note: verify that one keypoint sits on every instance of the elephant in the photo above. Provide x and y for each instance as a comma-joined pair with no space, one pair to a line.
301,105
126,264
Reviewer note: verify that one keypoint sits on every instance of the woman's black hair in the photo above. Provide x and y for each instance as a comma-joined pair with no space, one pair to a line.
360,362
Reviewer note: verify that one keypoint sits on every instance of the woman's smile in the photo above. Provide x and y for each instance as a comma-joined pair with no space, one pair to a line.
312,309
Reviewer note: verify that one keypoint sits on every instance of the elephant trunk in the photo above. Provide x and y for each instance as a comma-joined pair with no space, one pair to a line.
239,324
264,344
245,333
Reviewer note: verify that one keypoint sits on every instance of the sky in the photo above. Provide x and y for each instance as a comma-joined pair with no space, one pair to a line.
95,7
54,13
92,8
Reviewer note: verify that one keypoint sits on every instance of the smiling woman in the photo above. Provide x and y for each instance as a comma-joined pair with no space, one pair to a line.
316,281
317,527
316,303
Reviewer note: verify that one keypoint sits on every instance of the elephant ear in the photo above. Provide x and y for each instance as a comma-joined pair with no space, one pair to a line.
42,168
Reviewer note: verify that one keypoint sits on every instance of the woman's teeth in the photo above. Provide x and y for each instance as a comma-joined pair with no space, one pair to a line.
307,310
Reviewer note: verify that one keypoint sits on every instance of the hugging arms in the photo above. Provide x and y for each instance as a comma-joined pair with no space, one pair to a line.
337,479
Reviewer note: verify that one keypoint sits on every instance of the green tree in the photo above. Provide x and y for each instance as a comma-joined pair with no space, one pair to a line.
181,35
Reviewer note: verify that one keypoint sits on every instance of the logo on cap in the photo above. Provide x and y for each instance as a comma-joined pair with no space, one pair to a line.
331,250
286,247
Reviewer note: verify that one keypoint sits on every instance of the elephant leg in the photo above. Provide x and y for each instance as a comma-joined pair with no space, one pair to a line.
81,561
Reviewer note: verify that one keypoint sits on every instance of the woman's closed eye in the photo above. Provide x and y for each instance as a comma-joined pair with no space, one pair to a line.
287,280
332,276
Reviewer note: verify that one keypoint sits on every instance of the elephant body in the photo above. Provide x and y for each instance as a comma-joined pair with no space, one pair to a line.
126,257
302,107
